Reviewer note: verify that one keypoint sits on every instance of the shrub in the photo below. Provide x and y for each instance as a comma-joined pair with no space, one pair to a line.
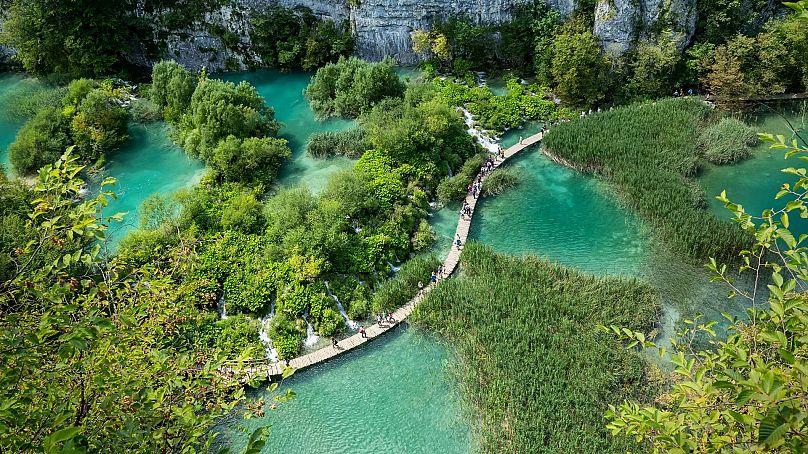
285,335
727,141
40,142
143,246
171,89
99,126
145,111
251,160
243,214
351,86
500,180
350,143
26,101
399,290
456,187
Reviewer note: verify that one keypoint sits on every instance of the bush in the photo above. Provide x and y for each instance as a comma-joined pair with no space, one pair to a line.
286,336
399,290
351,86
243,214
456,187
139,247
500,180
171,89
252,160
350,143
145,111
41,141
99,126
221,109
727,141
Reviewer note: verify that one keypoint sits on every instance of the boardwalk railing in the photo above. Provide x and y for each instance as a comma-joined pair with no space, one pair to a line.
263,368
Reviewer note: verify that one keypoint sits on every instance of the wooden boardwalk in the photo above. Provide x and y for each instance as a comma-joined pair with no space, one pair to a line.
264,369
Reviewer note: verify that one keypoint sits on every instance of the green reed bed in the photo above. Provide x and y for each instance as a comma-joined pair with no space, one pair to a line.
651,152
399,290
531,360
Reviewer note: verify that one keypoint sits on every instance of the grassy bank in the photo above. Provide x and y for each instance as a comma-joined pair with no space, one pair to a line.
531,359
650,152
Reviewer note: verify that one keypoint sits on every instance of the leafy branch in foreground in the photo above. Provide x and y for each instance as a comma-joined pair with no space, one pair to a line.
90,356
750,391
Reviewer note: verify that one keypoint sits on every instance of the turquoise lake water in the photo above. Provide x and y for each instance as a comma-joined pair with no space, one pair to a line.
399,387
391,396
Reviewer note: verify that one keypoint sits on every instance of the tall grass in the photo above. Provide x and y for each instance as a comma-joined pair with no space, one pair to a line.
399,290
532,362
30,97
727,141
351,143
650,152
501,180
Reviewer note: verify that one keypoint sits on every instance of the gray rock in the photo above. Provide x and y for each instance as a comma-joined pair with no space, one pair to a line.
620,23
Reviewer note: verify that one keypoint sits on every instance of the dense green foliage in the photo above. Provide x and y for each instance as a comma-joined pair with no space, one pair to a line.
498,113
351,143
500,180
297,39
98,356
92,37
351,86
531,360
744,393
228,126
88,118
257,254
652,171
578,69
456,187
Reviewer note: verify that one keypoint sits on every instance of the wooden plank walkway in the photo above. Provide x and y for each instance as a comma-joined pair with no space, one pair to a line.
263,369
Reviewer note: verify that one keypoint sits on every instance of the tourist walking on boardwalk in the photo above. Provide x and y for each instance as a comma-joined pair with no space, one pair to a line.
458,243
434,277
420,287
334,342
379,320
363,333
520,140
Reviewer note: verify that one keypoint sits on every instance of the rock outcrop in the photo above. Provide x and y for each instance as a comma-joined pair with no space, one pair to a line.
620,23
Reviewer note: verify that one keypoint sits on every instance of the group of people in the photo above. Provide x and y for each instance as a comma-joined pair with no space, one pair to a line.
384,317
681,92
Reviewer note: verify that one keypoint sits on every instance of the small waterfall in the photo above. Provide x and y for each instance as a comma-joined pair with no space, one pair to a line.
220,308
449,170
351,324
271,351
487,142
311,336
393,268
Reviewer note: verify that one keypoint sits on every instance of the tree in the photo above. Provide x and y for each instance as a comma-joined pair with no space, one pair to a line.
351,86
99,126
652,66
91,361
172,88
84,37
254,159
578,68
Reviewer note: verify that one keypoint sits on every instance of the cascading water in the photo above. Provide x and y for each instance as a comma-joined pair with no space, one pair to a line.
351,324
221,309
271,351
487,142
311,336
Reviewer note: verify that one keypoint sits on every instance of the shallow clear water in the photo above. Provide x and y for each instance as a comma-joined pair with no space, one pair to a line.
147,164
9,82
755,181
391,396
284,92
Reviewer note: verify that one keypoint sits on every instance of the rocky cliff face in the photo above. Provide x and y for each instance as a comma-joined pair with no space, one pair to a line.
620,23
383,27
